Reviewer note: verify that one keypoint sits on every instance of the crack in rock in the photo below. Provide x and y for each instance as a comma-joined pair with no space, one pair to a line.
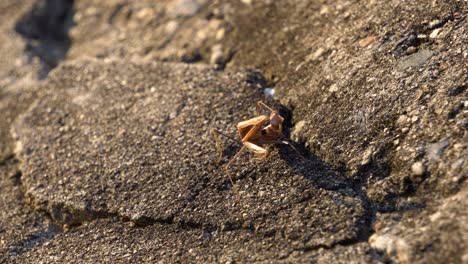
112,154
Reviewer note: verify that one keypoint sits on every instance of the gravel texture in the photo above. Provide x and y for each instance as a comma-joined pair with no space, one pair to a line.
106,153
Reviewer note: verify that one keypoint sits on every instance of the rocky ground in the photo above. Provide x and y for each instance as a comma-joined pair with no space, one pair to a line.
106,153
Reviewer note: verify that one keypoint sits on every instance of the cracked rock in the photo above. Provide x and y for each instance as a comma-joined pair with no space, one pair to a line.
105,164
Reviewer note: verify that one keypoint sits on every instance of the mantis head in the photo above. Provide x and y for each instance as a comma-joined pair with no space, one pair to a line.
276,120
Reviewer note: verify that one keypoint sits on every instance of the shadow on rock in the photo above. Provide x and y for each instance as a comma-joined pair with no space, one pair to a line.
321,174
35,239
46,27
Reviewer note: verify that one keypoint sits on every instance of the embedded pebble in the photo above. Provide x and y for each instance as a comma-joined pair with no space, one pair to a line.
458,164
184,7
434,151
434,33
217,56
367,156
402,119
324,10
415,60
367,41
382,243
435,23
411,50
333,88
171,26
220,34
436,216
296,133
145,14
418,168
316,55
422,36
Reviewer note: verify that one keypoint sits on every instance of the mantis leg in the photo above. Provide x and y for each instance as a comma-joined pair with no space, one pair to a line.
257,150
259,106
226,168
219,146
285,143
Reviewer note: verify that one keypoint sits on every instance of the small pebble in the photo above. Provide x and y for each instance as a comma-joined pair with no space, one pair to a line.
316,55
434,151
220,34
324,10
411,50
418,168
171,26
434,33
333,88
458,164
145,14
422,36
435,23
419,94
415,60
381,242
297,131
367,41
184,7
402,119
217,56
436,216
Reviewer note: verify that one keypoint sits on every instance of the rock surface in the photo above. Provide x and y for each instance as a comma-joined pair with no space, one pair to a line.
107,106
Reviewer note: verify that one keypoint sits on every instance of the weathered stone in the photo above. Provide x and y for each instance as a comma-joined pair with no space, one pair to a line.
140,181
418,168
175,178
415,60
435,150
184,7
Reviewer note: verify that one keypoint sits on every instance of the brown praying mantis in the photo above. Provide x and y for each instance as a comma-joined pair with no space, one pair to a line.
255,135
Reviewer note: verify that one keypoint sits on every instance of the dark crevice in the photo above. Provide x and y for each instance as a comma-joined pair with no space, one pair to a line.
17,178
345,242
148,221
7,159
115,12
46,28
457,90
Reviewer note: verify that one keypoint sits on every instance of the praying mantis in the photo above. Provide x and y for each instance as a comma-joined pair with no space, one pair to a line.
255,134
